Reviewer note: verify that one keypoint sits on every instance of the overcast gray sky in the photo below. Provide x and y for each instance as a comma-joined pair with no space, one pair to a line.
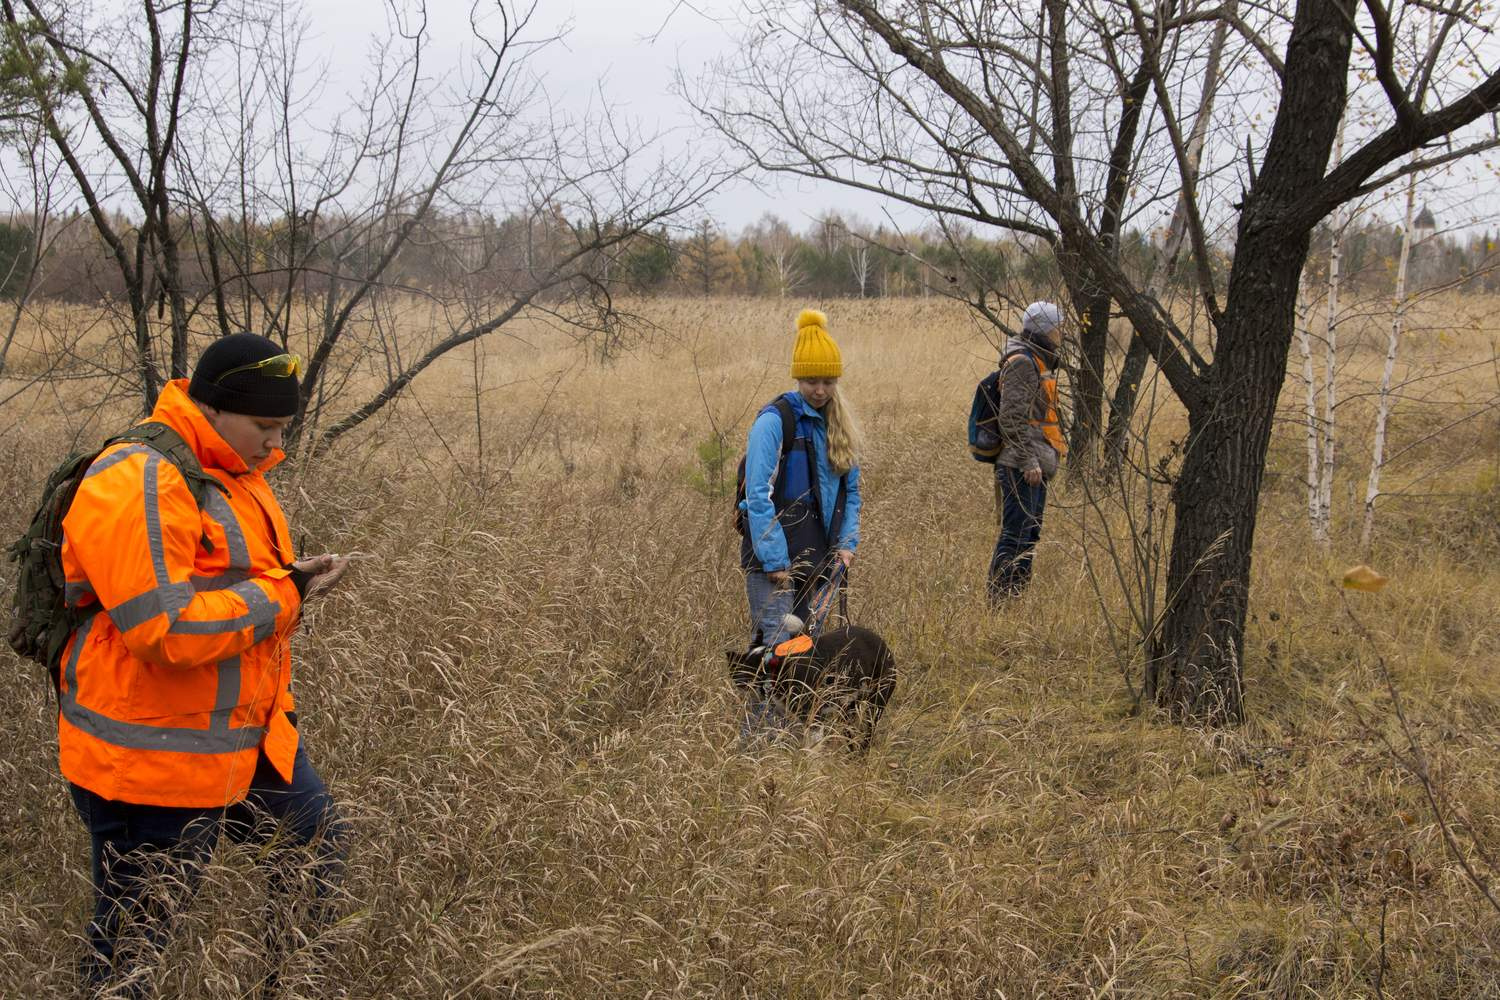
630,48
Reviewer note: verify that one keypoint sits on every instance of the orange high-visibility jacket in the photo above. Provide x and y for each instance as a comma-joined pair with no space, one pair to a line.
170,693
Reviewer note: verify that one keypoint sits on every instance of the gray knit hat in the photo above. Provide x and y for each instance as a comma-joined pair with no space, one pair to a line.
1040,319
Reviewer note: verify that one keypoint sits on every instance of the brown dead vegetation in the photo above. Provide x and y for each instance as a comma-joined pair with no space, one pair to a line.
522,703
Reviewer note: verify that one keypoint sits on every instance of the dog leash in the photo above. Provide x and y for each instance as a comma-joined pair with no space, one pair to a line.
823,603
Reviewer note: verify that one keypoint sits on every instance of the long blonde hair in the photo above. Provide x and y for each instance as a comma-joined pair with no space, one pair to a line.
846,442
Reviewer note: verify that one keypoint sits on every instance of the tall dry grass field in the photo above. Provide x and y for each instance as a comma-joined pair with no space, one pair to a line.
522,702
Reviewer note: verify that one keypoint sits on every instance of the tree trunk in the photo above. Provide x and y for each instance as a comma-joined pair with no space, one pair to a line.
1309,414
1197,655
1091,296
1323,525
1383,404
145,365
1088,385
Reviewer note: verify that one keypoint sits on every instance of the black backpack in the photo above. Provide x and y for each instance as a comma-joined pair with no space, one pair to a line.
41,620
788,437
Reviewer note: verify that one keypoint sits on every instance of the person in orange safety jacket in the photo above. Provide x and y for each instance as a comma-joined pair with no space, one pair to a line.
176,721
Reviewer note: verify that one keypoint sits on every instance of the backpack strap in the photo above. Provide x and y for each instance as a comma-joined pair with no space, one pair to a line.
161,438
1028,352
837,527
834,529
783,408
788,425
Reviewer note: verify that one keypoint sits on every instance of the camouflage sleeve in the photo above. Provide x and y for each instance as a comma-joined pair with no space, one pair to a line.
1019,384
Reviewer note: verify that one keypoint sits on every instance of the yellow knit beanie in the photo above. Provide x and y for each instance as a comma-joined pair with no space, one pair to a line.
816,355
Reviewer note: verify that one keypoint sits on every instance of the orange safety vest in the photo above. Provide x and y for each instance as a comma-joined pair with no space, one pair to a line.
170,692
1049,422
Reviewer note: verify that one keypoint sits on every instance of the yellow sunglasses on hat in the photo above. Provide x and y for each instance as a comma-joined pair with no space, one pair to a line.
276,366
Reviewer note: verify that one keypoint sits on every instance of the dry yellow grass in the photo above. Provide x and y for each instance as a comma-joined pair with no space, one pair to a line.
523,705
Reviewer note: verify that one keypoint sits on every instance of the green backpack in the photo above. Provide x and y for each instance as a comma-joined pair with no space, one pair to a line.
41,620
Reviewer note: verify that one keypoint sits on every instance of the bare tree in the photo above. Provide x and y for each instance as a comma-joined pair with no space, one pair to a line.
884,136
777,244
1006,116
202,110
1167,253
31,191
859,251
152,90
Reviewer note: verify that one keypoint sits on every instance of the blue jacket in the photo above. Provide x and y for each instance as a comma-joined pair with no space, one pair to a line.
763,455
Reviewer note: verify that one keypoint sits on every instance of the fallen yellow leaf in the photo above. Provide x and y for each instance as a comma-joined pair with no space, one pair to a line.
1364,578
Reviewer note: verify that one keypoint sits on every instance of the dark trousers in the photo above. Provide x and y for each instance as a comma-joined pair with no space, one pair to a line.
147,862
1019,506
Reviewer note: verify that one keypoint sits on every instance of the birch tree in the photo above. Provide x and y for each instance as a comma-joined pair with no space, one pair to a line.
1321,433
858,251
1322,522
778,243
1383,399
1310,407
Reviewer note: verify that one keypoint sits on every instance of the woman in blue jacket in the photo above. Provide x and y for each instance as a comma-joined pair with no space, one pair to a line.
801,495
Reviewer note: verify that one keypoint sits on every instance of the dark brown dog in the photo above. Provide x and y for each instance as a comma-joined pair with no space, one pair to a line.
843,678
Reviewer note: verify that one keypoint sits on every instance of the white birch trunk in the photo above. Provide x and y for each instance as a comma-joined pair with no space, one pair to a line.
859,264
1323,518
1383,405
1310,411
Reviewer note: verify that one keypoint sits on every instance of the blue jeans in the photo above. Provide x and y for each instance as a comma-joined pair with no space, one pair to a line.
147,860
1021,506
768,607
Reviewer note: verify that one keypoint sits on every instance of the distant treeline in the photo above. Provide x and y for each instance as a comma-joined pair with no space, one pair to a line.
828,258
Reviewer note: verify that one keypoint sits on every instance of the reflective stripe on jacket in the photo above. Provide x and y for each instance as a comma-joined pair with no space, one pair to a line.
169,694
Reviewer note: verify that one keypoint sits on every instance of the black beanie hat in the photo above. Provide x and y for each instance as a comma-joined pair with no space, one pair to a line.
249,392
